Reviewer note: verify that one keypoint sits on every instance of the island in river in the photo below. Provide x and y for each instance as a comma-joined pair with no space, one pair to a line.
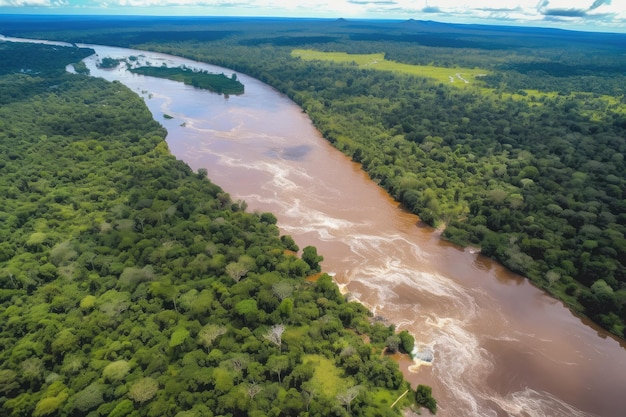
217,83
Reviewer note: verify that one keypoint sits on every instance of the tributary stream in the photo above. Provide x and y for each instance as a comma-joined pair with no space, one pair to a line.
493,344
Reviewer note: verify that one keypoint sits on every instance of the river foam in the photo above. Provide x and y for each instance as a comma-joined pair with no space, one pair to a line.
531,403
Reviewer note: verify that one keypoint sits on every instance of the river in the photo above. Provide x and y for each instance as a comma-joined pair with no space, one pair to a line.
494,344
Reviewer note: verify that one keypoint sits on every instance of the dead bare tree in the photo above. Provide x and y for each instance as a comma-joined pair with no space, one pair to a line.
253,389
347,397
275,334
239,364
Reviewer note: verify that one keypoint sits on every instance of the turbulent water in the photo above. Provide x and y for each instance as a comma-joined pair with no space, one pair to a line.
488,342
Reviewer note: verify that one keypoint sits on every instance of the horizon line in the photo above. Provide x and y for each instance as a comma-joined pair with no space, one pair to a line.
520,25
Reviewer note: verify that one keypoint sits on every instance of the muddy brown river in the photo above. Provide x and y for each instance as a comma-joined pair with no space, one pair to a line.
490,343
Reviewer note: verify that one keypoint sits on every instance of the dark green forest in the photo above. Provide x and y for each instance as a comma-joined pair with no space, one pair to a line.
527,163
132,286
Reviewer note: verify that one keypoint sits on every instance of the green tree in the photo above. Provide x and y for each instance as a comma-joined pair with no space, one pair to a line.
116,371
89,398
310,256
179,336
407,341
122,409
423,397
278,364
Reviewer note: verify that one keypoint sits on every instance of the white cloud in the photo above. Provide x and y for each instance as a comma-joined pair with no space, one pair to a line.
592,14
302,7
26,3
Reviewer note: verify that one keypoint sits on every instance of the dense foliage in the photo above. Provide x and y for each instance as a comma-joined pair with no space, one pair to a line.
132,286
218,83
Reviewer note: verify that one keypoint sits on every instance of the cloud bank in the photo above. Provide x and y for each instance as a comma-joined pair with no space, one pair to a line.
589,14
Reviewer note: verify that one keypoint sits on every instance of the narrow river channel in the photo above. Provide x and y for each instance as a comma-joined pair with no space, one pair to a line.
492,344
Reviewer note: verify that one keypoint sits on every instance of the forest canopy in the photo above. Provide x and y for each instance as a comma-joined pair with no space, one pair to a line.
132,286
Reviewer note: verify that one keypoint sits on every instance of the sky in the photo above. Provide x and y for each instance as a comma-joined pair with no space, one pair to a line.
592,15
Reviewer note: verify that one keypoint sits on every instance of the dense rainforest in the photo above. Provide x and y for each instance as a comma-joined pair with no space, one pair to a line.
132,286
525,159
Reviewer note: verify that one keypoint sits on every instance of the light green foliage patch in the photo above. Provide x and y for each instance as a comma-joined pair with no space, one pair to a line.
143,390
178,337
116,371
88,302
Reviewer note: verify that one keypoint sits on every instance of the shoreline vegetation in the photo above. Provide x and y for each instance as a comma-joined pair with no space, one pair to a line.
132,286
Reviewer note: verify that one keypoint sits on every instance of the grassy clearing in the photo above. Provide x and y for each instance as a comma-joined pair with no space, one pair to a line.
596,107
459,77
327,376
328,382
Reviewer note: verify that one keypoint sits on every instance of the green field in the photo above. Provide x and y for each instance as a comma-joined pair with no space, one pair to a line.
458,76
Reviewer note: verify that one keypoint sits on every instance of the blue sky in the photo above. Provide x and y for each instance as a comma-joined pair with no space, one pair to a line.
594,15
